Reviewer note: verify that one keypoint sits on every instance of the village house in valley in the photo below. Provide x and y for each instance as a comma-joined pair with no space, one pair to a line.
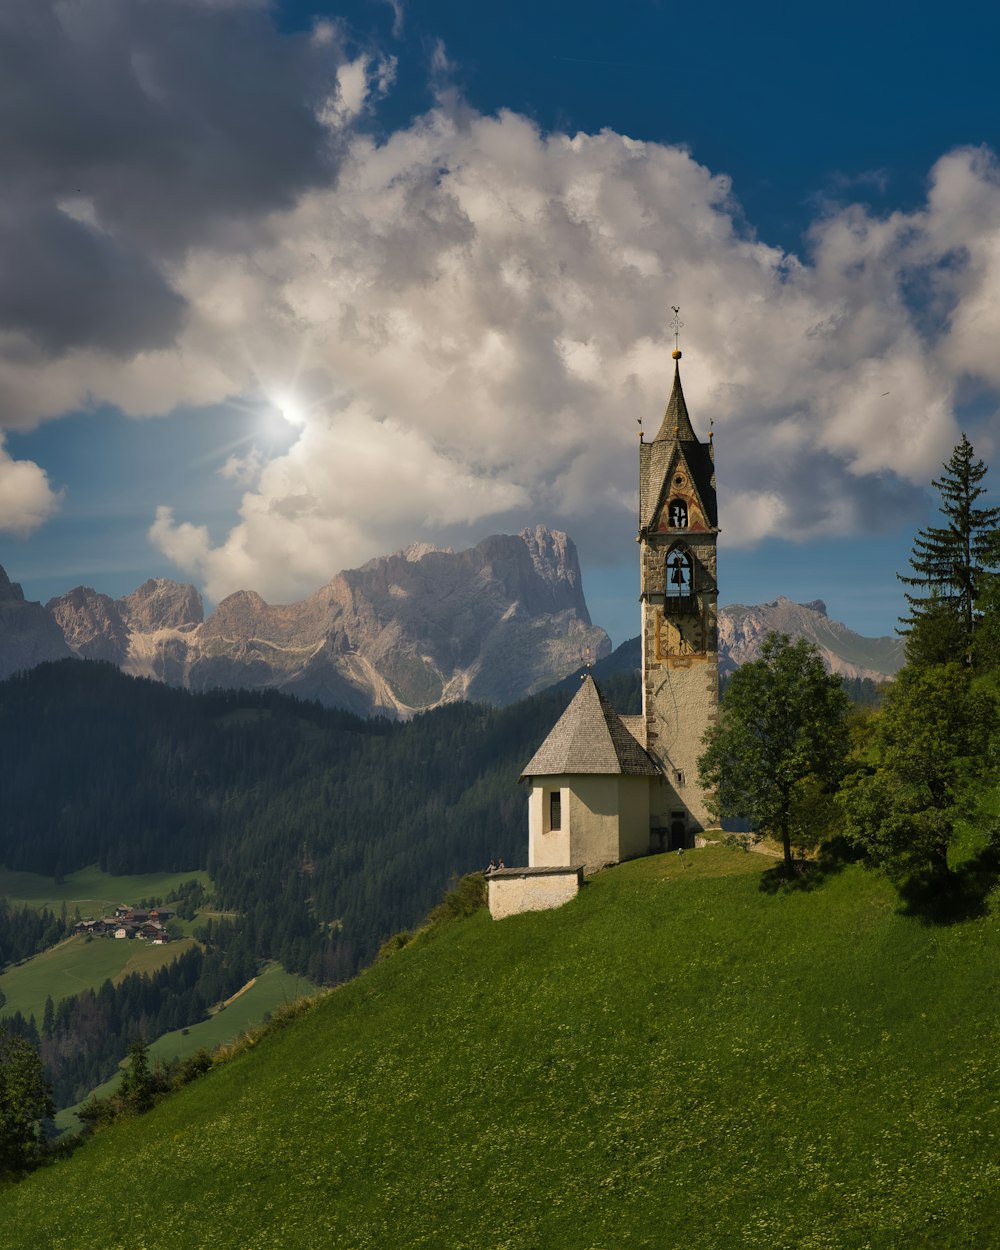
129,922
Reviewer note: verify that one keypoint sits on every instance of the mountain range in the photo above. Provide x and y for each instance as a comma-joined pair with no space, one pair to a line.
402,633
405,632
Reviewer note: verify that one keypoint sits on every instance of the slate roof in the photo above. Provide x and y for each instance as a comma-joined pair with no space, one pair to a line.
676,423
675,439
636,725
589,737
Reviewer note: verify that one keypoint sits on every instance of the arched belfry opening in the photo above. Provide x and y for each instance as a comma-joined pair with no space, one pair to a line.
680,587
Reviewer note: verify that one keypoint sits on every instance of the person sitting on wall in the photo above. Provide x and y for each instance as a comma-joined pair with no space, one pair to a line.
492,868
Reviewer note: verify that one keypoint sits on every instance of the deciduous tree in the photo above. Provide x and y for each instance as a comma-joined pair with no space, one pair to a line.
780,741
928,753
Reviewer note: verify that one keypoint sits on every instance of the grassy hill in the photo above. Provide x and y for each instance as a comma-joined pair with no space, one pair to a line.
272,989
681,1057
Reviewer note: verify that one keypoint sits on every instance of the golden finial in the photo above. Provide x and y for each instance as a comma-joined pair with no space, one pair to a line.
676,325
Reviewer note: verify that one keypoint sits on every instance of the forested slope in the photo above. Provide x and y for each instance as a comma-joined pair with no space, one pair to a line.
326,831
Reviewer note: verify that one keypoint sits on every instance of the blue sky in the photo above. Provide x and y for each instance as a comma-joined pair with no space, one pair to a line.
285,287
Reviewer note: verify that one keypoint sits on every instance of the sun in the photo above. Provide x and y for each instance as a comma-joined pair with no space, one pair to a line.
288,406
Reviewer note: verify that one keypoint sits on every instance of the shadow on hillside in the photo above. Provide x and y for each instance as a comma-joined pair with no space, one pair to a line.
950,898
807,874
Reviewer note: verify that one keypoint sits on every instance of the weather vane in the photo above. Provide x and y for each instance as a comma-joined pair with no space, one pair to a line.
676,325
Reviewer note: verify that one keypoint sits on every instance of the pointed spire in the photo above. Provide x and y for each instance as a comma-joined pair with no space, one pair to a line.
676,422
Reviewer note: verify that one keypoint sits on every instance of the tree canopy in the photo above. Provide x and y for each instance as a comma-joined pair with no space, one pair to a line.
929,752
24,1100
779,746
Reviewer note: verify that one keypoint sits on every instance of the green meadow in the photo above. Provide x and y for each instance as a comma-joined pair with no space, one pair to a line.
273,988
688,1056
92,891
78,964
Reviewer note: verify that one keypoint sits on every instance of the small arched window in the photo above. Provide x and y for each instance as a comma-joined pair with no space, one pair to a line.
680,574
677,514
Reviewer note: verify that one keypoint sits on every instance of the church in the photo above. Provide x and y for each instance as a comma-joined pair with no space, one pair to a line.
605,787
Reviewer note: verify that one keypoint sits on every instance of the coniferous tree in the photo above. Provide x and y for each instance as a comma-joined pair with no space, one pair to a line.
949,563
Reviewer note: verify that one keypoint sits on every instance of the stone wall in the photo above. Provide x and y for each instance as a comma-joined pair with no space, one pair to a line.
514,890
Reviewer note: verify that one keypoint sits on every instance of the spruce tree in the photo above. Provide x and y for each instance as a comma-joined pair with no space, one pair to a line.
949,561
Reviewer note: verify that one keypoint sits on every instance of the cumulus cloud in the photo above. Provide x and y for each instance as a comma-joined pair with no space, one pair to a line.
465,319
502,294
26,498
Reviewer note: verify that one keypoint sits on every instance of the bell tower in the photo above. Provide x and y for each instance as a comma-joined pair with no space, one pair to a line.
678,531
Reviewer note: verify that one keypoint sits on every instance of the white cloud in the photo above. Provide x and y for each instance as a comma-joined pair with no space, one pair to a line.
361,83
26,498
243,469
468,323
500,296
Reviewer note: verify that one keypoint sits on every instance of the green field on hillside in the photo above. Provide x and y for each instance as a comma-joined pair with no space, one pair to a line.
92,891
682,1058
273,988
78,964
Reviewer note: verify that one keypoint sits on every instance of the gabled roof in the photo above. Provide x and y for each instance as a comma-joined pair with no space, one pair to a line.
589,737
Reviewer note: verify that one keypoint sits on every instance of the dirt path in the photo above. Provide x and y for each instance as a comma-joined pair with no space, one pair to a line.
242,990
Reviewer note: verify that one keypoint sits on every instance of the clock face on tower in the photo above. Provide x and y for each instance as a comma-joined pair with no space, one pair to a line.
680,634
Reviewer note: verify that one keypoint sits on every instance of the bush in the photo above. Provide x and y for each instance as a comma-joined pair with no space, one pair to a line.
465,898
194,1066
393,944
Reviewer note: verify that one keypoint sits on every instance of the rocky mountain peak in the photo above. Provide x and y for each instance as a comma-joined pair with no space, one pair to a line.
10,592
28,634
91,623
163,604
416,551
553,556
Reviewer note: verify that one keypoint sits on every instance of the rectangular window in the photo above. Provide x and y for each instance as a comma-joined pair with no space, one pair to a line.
555,811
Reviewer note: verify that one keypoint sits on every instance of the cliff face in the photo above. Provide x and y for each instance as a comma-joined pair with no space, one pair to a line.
402,633
92,624
28,634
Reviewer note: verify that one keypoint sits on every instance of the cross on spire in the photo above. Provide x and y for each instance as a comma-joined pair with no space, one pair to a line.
676,325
